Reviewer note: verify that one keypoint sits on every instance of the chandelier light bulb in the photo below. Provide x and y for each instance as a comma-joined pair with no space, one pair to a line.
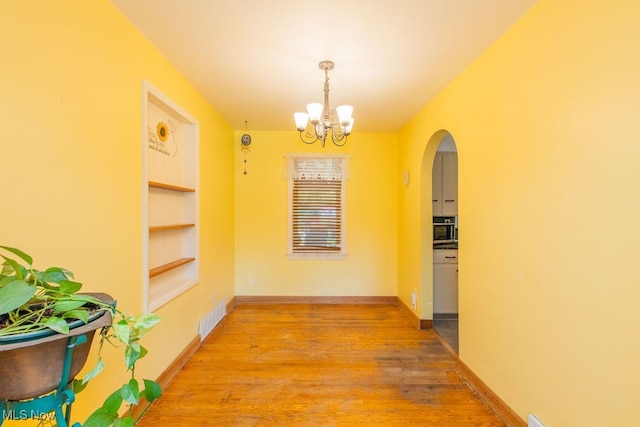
344,114
301,120
347,129
315,112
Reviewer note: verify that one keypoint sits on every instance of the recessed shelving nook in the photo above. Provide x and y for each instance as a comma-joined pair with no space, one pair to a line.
171,199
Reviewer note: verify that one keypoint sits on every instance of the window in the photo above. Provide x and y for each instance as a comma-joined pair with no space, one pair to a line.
317,187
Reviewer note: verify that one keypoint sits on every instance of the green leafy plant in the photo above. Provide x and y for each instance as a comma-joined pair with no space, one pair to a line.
32,300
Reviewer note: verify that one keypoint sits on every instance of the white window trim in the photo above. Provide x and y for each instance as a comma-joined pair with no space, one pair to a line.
290,175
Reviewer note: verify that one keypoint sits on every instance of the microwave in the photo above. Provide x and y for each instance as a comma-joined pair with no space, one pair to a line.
445,229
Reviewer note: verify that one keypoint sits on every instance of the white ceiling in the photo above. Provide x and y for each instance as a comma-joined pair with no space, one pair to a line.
257,60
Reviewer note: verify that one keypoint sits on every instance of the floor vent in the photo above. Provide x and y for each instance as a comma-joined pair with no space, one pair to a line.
212,318
534,422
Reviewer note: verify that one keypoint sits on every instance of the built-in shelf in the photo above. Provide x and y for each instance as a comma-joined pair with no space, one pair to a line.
170,227
171,199
171,187
169,266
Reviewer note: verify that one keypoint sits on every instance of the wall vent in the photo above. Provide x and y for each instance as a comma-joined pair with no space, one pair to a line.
534,422
212,318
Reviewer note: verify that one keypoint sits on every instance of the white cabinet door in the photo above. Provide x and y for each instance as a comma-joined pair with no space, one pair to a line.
445,281
449,184
445,184
436,180
445,288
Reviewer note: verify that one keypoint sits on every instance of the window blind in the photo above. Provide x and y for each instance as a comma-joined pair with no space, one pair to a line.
316,204
316,215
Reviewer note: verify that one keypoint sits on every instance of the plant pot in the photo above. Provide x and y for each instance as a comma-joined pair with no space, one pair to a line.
33,366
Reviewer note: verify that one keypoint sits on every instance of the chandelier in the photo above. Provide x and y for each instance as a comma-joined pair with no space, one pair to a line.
323,118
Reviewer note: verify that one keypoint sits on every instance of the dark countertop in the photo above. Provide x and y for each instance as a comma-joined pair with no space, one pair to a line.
446,246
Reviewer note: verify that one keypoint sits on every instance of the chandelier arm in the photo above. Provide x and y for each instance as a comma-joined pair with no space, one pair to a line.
341,141
338,137
307,137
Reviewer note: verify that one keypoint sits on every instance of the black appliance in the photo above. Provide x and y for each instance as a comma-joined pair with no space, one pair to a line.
445,229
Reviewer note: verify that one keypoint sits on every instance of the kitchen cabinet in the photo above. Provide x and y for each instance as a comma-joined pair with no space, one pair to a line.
445,184
445,281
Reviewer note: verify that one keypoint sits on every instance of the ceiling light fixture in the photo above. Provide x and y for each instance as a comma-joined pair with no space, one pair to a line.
325,119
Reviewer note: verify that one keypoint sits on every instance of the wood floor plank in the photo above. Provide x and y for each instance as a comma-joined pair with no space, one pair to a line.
319,365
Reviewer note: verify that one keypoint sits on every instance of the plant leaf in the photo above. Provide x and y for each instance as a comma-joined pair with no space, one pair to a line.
143,352
54,275
14,295
66,305
123,422
4,280
152,390
78,386
100,418
69,286
112,404
19,271
95,371
86,298
131,354
121,329
146,321
57,324
26,258
142,324
77,314
130,392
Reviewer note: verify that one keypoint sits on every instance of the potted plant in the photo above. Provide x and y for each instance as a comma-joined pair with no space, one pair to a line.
44,321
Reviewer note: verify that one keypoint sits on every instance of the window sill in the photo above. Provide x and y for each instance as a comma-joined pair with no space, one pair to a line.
314,255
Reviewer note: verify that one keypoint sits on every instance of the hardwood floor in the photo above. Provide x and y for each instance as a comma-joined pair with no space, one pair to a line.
319,365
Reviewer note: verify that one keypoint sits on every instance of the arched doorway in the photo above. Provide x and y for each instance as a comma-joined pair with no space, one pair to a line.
439,202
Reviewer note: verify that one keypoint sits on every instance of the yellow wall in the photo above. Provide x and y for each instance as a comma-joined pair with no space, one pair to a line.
262,267
546,124
70,117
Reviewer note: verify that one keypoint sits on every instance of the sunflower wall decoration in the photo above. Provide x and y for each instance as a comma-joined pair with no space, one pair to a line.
163,131
162,138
